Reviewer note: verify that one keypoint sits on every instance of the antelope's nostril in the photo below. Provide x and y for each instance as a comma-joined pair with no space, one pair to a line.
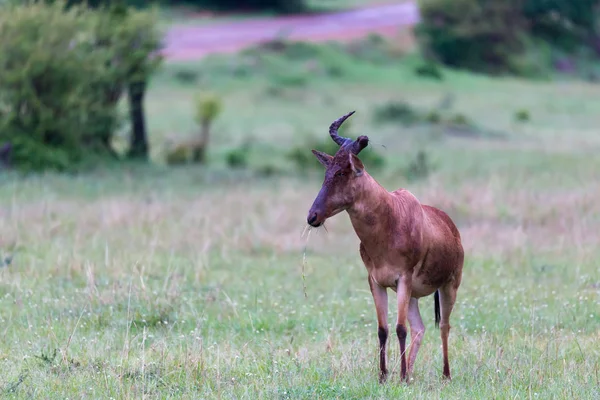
312,218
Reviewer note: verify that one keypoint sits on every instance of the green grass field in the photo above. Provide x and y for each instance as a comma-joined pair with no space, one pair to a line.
158,282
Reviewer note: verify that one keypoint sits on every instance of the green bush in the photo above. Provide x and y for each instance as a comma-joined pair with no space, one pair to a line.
46,111
62,73
496,36
237,158
522,116
397,111
429,70
480,35
284,6
419,168
564,23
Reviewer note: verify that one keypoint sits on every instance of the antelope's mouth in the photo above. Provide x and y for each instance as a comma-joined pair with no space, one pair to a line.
317,219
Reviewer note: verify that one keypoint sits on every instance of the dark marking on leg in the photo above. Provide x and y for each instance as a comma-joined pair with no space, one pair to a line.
402,333
383,335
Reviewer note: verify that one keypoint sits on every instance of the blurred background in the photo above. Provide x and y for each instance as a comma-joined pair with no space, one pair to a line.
156,172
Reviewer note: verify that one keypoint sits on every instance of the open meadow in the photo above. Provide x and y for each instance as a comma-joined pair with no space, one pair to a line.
194,282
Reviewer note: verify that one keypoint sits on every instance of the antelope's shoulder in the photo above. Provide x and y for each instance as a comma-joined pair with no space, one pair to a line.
405,195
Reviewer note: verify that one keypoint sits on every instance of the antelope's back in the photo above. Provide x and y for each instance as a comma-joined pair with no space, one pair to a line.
441,221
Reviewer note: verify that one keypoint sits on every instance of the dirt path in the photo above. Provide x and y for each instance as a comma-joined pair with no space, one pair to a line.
194,42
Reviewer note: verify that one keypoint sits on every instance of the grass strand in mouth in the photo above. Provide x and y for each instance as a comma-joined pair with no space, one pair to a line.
307,230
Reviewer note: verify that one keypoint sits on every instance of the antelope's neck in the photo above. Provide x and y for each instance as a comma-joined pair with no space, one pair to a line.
371,211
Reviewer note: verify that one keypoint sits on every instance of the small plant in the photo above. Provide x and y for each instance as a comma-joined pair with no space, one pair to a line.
460,120
433,117
208,108
522,116
429,70
397,111
47,357
186,76
237,158
419,168
268,170
181,153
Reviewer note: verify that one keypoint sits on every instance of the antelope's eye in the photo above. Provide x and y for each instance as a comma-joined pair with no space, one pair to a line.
339,173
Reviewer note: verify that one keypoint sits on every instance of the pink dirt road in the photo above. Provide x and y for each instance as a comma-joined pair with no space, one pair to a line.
191,43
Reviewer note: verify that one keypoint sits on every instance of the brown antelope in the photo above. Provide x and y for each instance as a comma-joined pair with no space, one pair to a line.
412,248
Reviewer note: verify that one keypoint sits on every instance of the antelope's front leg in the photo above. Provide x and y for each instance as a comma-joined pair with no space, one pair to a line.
381,305
403,292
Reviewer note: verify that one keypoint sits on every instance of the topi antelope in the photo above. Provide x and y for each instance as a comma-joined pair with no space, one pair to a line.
412,248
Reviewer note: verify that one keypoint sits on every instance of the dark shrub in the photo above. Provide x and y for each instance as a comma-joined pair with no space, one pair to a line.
397,111
237,158
429,70
419,168
284,6
480,35
565,23
522,116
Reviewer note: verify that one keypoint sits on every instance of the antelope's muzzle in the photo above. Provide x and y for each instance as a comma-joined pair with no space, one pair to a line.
313,219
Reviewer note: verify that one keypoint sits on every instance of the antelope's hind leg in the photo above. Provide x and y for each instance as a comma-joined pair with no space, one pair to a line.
417,330
447,299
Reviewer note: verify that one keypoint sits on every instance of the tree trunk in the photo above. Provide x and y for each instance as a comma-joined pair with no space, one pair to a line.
200,151
138,147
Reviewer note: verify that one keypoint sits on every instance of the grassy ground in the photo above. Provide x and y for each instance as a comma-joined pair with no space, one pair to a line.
150,282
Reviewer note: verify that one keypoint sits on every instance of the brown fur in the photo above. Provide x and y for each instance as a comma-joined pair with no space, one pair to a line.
412,248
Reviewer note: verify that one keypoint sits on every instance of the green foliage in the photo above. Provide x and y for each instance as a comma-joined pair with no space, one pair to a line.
62,73
492,36
402,112
433,117
283,6
564,23
268,170
208,107
522,115
419,168
181,153
186,76
429,70
480,35
237,158
46,108
396,111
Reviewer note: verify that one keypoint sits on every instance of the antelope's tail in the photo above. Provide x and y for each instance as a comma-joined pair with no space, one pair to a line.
436,300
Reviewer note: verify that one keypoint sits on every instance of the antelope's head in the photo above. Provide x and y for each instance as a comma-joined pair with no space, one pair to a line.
343,173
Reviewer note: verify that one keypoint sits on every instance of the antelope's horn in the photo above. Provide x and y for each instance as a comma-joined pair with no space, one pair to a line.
360,143
333,130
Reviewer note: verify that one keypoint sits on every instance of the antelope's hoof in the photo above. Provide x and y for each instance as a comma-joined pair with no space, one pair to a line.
382,377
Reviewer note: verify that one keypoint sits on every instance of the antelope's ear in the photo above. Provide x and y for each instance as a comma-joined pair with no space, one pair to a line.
323,158
356,165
